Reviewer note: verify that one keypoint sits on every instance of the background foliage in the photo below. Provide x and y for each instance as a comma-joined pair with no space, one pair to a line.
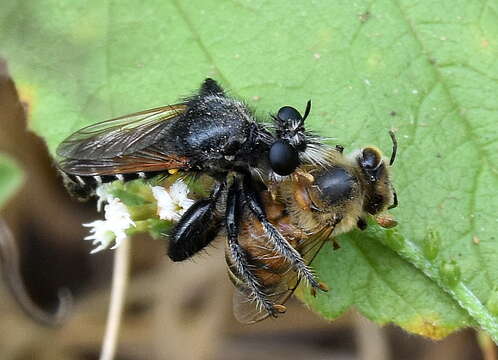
11,178
426,69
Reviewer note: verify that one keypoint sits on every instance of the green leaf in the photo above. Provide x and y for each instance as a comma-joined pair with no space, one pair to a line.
426,69
132,193
383,287
11,178
158,228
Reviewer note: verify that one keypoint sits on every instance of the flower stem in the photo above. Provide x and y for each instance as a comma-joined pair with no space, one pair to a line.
488,348
458,290
118,294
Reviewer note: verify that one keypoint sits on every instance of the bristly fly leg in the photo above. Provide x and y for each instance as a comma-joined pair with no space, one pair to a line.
280,245
238,254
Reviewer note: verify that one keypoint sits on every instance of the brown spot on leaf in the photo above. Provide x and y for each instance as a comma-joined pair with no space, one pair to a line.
364,17
427,326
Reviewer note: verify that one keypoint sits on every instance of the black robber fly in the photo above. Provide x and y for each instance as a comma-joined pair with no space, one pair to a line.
209,133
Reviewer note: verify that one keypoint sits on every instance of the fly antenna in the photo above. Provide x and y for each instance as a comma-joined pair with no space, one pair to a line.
307,111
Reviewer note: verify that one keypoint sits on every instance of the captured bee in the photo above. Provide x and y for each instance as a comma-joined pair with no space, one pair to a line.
313,205
210,134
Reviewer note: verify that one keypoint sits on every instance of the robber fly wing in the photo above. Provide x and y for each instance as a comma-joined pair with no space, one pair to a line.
120,136
147,160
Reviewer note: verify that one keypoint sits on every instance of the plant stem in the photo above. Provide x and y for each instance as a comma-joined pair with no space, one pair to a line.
371,339
10,266
459,292
118,294
488,348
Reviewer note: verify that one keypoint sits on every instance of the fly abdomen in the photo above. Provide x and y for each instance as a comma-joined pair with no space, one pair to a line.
83,186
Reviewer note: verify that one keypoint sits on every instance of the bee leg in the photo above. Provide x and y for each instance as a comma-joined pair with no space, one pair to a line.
280,245
323,286
335,245
196,228
362,224
395,200
238,254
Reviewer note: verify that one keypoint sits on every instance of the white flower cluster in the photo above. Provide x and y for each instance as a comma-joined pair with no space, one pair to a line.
172,204
112,231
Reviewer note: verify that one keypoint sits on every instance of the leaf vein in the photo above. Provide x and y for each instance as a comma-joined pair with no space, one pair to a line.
440,78
361,25
108,56
383,280
473,226
200,44
416,118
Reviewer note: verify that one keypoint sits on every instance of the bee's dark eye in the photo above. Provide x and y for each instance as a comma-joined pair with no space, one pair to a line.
288,113
335,185
370,159
283,158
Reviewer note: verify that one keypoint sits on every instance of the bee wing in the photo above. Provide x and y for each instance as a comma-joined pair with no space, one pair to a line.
120,136
248,311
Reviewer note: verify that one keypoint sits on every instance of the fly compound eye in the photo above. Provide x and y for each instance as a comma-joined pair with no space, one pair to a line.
370,159
288,113
335,185
283,158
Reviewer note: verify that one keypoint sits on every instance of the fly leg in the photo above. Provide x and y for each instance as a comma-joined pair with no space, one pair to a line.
197,227
239,255
280,245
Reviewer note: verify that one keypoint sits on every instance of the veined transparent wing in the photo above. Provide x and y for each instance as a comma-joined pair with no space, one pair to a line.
285,282
120,136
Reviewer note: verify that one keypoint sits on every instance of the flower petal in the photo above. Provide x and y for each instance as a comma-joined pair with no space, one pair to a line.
165,204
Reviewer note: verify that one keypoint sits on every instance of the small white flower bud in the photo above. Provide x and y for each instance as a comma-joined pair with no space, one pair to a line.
103,233
172,204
